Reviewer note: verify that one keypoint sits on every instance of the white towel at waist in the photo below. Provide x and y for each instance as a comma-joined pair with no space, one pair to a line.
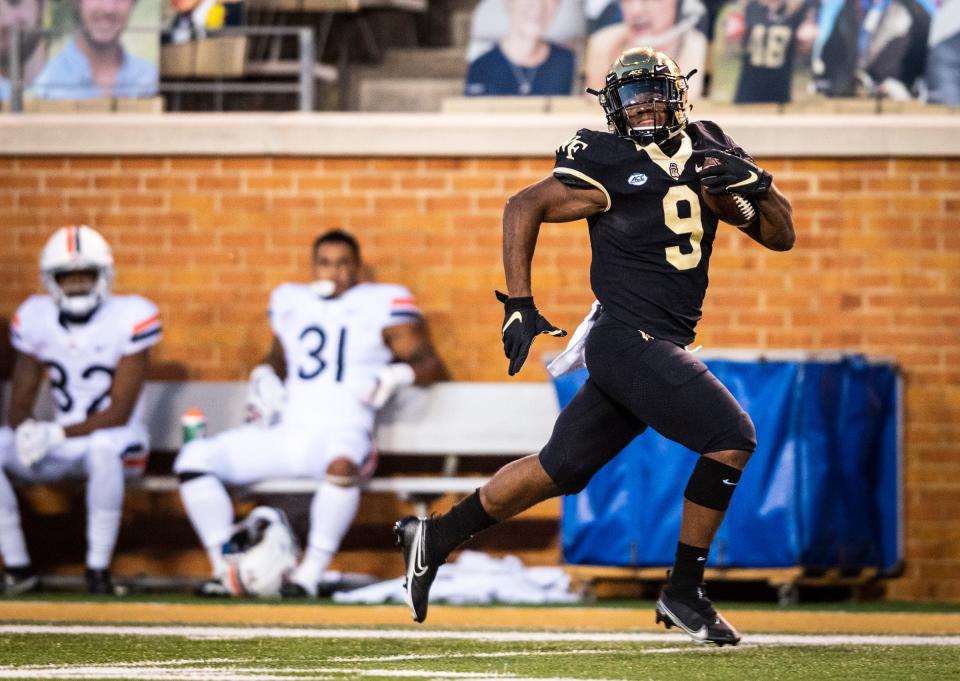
572,357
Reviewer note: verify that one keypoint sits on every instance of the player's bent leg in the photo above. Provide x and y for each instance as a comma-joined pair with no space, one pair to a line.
332,511
714,479
105,478
18,574
516,487
590,431
683,602
207,504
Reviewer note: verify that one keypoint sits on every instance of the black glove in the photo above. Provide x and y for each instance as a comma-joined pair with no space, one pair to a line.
522,322
734,174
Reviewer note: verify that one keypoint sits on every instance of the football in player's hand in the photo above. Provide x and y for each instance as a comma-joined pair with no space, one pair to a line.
733,208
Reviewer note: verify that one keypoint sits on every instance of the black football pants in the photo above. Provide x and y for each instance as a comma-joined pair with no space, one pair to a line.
635,383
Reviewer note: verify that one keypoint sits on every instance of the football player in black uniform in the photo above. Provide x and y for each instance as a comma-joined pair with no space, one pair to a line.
638,187
775,29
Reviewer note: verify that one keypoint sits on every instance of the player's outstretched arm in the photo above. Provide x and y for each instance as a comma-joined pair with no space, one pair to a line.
548,200
774,226
127,383
27,374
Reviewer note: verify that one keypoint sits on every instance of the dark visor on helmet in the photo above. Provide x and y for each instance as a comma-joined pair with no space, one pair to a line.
643,91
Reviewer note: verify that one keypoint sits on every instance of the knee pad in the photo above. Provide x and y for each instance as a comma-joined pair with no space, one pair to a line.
342,473
712,484
193,459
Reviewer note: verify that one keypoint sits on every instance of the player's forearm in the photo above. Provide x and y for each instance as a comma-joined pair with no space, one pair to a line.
276,359
521,226
27,374
428,369
113,416
774,228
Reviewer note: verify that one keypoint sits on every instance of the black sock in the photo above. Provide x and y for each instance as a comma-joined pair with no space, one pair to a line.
456,526
688,568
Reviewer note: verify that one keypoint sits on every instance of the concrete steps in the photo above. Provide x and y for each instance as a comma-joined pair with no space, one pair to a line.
416,79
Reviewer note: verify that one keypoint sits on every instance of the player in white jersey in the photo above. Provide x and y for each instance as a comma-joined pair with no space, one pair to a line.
94,349
340,350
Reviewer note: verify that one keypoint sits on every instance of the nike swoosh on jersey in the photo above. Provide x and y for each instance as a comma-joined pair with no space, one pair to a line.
741,183
515,317
727,482
698,169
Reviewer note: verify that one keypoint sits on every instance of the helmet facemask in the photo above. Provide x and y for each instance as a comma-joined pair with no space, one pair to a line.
664,97
77,249
78,306
644,96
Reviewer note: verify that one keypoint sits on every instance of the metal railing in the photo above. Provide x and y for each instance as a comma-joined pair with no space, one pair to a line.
305,70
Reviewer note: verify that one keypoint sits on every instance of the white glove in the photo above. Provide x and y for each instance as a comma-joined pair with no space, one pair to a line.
35,439
390,379
266,395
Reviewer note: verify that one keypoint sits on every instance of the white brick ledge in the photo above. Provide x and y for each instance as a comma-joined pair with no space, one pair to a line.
448,135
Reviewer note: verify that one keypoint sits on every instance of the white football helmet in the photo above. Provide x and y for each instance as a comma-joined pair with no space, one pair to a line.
260,554
71,249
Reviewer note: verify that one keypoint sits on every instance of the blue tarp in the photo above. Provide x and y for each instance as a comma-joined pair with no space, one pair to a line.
822,489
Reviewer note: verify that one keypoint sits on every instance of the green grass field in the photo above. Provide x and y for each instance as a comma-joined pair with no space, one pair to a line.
110,642
85,656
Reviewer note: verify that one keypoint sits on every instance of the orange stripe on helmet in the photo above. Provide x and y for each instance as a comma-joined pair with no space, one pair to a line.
71,239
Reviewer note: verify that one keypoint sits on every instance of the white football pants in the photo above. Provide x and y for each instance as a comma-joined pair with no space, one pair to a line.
104,458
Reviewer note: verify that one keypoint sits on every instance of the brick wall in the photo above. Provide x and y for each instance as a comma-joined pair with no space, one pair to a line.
876,269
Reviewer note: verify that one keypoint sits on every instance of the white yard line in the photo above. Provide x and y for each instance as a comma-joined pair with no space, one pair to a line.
509,653
112,671
240,633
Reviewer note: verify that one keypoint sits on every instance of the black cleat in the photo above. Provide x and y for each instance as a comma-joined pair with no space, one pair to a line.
99,582
691,610
293,591
411,533
19,580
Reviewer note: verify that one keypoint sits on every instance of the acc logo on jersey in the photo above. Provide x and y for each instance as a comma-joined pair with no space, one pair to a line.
572,146
637,179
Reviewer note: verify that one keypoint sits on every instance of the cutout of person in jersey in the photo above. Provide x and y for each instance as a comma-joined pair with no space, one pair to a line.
943,59
94,62
94,348
771,33
27,15
876,48
523,62
341,349
676,27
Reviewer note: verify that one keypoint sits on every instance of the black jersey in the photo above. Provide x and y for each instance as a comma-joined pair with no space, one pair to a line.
651,247
769,44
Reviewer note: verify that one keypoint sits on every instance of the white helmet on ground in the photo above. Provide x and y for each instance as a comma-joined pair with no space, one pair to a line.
72,249
261,553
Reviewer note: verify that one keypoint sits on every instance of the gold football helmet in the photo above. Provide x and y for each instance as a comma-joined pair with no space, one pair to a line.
643,77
